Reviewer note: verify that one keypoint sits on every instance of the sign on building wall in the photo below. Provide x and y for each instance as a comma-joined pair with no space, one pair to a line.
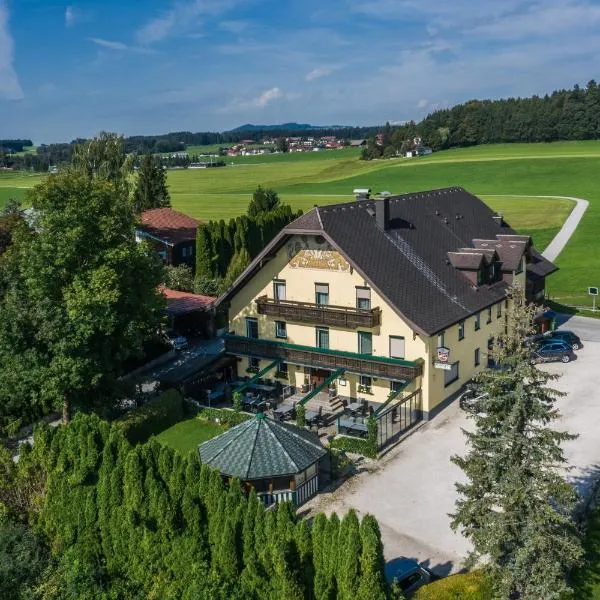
305,252
443,354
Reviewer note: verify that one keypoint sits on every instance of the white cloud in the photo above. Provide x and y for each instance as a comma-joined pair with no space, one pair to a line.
110,44
181,15
10,88
424,103
318,73
75,15
120,46
267,97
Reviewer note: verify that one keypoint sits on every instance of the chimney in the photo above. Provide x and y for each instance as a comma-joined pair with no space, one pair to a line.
382,213
362,193
498,219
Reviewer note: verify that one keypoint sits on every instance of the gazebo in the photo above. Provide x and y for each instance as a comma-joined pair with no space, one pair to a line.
280,461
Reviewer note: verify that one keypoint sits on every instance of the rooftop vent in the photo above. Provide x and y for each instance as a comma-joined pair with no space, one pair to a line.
382,213
498,218
362,193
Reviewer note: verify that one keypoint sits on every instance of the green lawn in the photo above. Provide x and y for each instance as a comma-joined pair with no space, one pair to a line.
306,179
186,436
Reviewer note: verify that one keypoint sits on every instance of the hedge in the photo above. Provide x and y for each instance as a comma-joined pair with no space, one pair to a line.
467,586
223,416
355,445
152,418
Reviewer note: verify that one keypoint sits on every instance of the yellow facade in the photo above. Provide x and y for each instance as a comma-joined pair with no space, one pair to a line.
303,262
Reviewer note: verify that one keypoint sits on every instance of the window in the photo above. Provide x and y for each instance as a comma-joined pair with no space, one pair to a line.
283,368
440,339
461,330
365,342
252,328
477,321
280,329
363,298
254,363
499,310
322,293
451,375
364,384
490,360
489,316
396,346
279,289
322,338
396,386
477,357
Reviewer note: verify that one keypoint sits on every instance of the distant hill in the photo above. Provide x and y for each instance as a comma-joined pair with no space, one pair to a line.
284,127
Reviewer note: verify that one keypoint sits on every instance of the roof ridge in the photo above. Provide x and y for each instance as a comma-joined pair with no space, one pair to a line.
319,216
242,429
256,431
280,443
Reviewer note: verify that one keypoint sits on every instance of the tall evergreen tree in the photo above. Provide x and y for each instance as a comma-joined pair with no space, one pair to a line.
263,201
348,572
151,189
516,505
372,585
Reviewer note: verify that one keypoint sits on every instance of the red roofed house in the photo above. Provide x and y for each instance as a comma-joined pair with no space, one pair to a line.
172,234
190,313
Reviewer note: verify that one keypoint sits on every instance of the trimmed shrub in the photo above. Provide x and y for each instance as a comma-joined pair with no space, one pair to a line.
467,586
300,415
223,416
152,418
354,445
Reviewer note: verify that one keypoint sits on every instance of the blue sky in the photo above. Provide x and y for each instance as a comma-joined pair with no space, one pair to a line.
70,69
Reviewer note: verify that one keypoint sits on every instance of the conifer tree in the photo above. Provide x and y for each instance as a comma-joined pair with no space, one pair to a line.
204,254
516,505
151,187
348,572
238,264
372,585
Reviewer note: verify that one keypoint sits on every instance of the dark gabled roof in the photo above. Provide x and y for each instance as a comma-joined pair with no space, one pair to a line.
408,264
168,225
510,251
261,448
466,260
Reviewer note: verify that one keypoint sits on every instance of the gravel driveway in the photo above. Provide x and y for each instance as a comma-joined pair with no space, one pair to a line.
411,490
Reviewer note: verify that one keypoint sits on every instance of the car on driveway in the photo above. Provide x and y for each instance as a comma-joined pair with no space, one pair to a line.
408,574
564,335
551,351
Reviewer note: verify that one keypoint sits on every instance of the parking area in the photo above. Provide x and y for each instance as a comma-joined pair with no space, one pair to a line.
411,490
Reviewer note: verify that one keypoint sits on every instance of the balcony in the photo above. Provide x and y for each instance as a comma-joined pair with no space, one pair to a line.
361,364
319,314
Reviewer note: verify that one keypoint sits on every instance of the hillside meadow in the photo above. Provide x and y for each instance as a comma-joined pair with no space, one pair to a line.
506,176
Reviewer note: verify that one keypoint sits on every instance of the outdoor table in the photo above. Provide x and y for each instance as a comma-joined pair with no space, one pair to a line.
353,407
283,411
310,416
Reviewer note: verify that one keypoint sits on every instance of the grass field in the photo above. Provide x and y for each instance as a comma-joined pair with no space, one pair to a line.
185,436
523,170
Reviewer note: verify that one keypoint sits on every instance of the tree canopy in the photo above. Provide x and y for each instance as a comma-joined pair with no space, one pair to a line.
151,189
78,298
143,521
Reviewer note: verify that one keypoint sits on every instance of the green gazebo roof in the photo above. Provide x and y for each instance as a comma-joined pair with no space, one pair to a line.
261,448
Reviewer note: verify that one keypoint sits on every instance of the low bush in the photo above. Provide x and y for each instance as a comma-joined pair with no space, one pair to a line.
355,445
223,416
467,586
152,418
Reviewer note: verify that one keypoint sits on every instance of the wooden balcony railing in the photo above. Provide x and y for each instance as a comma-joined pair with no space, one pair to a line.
319,314
361,364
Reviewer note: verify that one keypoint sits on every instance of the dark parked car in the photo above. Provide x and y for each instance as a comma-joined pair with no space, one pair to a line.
564,335
408,574
551,351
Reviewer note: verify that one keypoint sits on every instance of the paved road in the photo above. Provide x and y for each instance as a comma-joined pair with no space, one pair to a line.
411,491
560,240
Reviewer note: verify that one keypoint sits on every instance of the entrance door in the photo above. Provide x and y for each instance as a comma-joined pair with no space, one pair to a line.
318,377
